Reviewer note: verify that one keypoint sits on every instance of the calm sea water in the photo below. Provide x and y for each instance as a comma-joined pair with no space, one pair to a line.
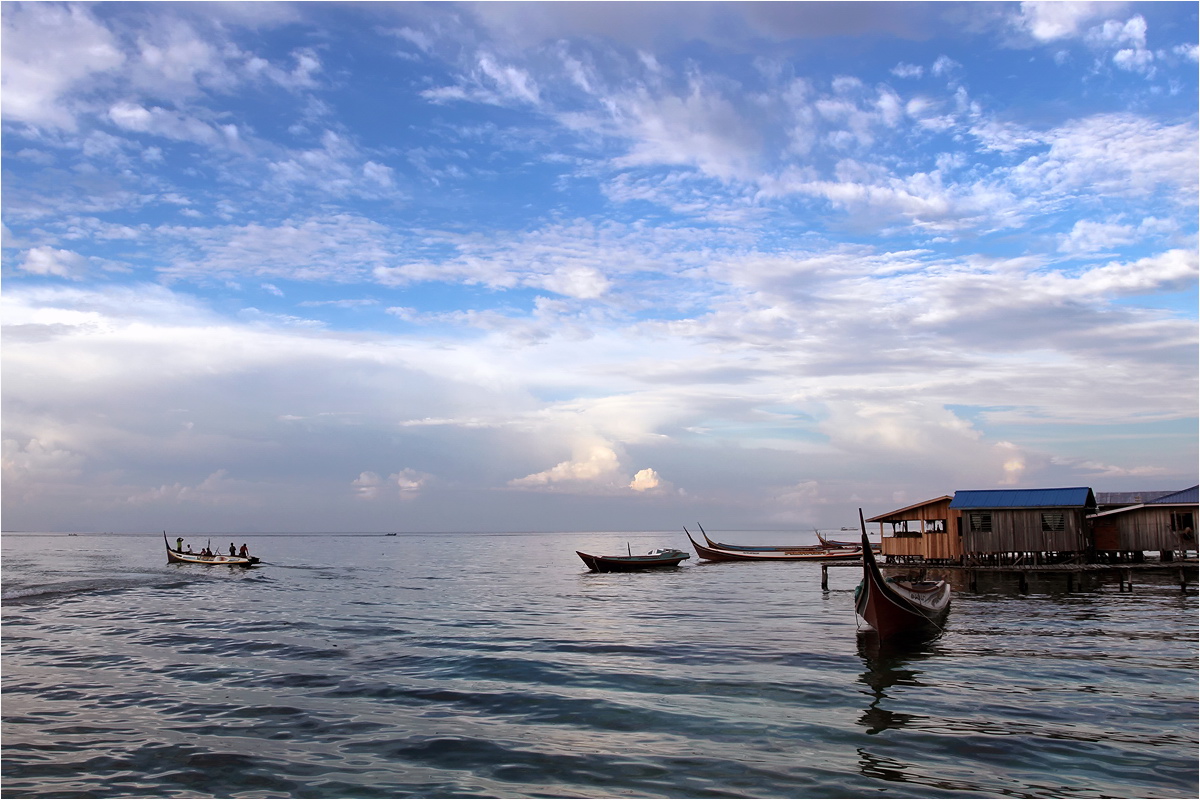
494,665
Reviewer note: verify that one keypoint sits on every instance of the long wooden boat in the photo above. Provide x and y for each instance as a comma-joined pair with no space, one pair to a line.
789,548
655,559
834,544
722,554
896,608
175,557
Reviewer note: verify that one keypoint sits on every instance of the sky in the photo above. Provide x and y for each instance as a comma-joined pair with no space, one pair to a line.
590,266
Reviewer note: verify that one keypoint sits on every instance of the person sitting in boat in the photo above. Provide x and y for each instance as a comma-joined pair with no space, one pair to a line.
245,551
189,551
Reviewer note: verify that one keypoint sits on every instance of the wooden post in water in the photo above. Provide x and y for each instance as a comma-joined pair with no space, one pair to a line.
1183,581
1070,582
1024,584
825,576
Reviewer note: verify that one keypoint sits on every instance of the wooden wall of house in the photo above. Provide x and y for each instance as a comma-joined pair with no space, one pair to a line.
902,546
943,546
1147,529
1020,531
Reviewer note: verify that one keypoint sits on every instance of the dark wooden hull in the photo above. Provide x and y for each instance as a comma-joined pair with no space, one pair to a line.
213,561
834,544
899,608
798,548
721,554
632,563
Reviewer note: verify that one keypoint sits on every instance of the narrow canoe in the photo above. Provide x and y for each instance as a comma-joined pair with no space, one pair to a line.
655,559
834,544
796,548
897,608
791,554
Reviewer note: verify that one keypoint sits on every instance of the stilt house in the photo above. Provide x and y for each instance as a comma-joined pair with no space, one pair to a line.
1024,525
1166,522
925,532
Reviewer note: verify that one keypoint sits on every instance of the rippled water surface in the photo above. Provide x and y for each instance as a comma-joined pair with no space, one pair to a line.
494,665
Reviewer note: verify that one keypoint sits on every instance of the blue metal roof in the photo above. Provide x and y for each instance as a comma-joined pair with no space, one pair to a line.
1075,497
1191,495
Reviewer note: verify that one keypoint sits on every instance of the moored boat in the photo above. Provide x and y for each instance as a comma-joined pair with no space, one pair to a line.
655,559
176,557
835,544
789,554
896,608
806,548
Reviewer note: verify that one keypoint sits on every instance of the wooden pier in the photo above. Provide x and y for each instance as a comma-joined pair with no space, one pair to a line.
1186,570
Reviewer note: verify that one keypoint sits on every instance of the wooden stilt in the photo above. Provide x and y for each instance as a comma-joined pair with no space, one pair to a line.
825,576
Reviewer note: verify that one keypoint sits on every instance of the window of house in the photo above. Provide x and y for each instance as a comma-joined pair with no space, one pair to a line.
935,526
1183,522
1053,521
981,521
906,529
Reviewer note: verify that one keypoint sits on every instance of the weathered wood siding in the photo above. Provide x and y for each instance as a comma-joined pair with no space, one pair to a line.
1020,531
902,546
945,545
1148,529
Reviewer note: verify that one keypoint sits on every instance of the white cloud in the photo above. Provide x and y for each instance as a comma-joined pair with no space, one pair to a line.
1088,237
409,483
1053,20
49,50
59,263
645,480
595,467
903,70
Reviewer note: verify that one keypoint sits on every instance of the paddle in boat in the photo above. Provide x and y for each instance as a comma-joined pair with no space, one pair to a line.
216,559
803,553
897,608
655,559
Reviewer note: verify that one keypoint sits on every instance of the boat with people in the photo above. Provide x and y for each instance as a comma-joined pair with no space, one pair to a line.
207,557
803,553
897,608
662,558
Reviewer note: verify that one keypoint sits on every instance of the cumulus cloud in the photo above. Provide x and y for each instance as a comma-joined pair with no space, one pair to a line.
36,461
1053,20
409,482
216,488
51,261
645,480
595,467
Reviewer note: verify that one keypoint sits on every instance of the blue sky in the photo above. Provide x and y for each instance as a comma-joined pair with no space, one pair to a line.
590,266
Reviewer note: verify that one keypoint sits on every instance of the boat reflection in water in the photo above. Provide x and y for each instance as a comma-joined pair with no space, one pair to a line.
888,663
891,669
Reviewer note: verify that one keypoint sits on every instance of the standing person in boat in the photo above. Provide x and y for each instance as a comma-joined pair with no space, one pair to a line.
179,545
232,550
245,551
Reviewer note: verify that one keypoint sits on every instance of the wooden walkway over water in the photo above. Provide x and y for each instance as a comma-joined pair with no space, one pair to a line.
1184,570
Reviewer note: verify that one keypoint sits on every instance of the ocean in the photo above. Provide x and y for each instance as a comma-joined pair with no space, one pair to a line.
495,665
